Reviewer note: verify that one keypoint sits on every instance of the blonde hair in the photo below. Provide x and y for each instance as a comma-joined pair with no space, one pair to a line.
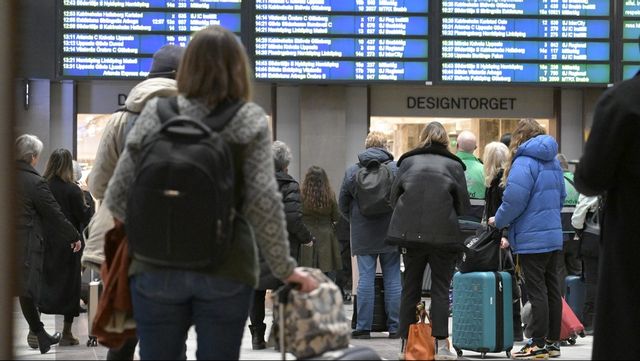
375,140
527,128
316,192
495,158
434,132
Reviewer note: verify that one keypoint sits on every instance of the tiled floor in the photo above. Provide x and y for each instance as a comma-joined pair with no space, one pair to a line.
388,349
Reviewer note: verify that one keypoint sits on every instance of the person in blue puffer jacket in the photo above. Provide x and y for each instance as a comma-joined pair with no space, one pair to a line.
533,198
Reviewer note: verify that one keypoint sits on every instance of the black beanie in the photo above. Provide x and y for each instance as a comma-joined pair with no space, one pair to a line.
165,62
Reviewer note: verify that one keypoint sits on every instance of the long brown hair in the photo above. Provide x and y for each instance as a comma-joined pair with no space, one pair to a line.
434,132
316,191
527,128
60,164
215,67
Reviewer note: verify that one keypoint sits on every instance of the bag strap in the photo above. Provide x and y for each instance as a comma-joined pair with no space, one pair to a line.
570,182
217,118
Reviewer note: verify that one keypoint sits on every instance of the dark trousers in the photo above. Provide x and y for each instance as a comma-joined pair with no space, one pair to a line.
343,276
544,290
442,264
125,352
591,275
570,260
30,312
256,314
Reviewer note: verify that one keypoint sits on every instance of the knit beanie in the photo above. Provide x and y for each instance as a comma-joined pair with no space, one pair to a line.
165,62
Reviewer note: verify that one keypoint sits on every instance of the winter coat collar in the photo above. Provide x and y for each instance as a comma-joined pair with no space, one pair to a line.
379,154
24,166
433,149
467,156
284,177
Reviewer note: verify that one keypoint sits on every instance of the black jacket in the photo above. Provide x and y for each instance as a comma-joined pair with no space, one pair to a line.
493,195
60,292
611,164
35,204
428,195
298,232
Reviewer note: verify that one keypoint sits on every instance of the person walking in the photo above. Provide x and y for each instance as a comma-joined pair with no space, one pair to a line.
610,166
428,195
299,236
216,299
533,197
60,292
320,214
36,205
368,234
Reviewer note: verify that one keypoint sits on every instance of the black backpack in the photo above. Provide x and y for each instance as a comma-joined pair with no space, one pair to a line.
181,205
373,188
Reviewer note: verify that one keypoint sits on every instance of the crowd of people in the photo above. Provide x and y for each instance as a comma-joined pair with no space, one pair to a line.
522,186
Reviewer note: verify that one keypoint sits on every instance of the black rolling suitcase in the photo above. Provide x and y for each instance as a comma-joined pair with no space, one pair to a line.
379,323
95,291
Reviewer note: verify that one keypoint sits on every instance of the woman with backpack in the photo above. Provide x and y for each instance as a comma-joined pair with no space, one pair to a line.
429,194
533,197
213,77
320,214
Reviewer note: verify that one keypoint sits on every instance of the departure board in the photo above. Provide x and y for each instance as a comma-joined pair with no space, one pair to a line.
630,38
526,41
341,40
117,38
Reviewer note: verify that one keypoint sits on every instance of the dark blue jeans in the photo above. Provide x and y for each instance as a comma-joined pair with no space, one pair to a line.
167,303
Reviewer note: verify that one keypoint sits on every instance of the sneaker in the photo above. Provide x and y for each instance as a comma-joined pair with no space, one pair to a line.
443,352
553,348
531,351
361,335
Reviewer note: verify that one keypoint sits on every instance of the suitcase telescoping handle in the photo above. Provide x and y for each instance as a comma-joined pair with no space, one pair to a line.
283,299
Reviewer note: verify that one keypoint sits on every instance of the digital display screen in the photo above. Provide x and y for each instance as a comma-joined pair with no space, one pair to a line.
342,40
117,38
630,38
526,41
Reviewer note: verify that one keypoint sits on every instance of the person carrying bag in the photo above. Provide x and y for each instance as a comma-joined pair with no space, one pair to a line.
420,343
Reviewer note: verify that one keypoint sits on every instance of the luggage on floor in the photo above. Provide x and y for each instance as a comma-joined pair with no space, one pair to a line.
310,324
571,327
420,343
575,294
379,323
350,353
482,312
95,291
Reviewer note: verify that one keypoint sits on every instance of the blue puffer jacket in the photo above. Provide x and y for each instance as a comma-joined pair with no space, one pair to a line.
533,198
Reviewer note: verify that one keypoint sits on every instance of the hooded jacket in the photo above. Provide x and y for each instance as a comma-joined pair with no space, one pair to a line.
109,150
533,198
428,195
367,233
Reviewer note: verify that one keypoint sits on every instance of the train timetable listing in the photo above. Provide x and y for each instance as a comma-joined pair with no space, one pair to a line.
146,21
525,50
392,6
528,73
525,28
342,24
341,47
119,43
104,66
168,4
527,7
631,8
319,70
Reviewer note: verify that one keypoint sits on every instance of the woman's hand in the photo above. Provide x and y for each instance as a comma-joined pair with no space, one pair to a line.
302,278
504,243
76,246
491,221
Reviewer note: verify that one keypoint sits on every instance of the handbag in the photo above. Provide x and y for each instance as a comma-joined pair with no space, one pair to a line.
482,251
421,345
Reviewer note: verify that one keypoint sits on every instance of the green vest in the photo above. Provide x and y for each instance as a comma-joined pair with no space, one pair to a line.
572,193
474,175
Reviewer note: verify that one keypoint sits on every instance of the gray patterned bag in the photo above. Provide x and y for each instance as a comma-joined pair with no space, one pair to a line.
313,322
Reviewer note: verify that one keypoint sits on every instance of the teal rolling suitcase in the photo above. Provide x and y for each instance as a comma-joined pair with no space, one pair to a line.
482,312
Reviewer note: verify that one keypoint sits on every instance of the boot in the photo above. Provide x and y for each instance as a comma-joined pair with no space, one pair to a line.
67,337
45,340
32,340
257,336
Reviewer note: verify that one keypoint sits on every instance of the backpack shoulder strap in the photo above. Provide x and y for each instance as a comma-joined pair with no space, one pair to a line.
167,108
131,120
219,117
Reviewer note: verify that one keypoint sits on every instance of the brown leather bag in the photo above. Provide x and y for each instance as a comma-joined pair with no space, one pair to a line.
113,323
420,344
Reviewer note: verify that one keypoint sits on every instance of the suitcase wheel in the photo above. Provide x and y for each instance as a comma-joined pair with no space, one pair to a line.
508,354
483,355
458,351
572,341
92,342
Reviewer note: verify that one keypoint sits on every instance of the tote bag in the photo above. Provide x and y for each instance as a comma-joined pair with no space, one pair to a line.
420,344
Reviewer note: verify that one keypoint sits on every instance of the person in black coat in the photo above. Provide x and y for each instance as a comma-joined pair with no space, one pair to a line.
36,205
611,164
299,236
428,195
61,287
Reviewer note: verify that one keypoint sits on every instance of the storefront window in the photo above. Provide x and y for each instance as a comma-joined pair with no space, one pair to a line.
89,131
403,133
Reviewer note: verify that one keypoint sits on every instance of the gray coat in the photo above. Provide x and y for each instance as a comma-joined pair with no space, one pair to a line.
429,193
367,234
35,205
